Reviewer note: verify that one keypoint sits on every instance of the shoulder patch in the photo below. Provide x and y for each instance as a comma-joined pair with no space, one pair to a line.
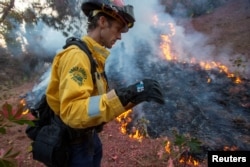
78,74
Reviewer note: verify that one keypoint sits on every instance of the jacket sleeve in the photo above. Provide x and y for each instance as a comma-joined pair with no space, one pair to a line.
78,108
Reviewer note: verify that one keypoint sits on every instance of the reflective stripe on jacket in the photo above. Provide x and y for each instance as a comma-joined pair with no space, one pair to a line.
71,92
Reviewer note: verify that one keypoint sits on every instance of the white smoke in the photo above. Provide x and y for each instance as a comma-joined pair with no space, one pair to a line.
187,43
44,41
151,21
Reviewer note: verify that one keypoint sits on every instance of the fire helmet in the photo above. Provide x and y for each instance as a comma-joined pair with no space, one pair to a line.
114,8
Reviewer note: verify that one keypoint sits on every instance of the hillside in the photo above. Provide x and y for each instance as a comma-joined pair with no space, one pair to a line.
227,25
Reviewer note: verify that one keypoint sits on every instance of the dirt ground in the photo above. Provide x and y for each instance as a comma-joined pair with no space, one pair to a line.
232,22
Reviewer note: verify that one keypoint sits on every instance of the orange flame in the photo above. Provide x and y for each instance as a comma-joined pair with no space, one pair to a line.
167,147
165,46
166,49
190,161
125,119
183,159
136,135
23,104
166,43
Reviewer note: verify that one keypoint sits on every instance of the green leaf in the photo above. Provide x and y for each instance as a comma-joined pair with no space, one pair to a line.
24,121
2,130
194,145
8,158
10,154
179,140
18,112
7,163
7,107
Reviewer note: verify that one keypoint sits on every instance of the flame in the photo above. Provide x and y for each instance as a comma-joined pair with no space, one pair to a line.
189,161
208,80
165,47
23,104
124,119
228,148
167,147
166,43
136,135
222,68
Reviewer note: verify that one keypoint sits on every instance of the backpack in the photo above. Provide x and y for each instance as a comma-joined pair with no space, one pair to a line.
49,134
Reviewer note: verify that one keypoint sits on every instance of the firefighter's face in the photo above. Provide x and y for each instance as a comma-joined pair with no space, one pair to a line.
110,32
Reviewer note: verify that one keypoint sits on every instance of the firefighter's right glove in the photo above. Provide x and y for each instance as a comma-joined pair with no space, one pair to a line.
145,90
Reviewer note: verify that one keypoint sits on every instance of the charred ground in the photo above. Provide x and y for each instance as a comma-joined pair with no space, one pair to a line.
232,22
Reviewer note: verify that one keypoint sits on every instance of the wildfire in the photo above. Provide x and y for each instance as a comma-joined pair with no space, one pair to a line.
169,56
125,119
166,43
23,104
166,49
185,158
167,147
189,160
222,68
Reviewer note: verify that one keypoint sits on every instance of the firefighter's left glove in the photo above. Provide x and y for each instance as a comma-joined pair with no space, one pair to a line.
145,90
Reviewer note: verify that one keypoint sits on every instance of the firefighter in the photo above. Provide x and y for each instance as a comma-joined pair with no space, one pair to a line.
83,102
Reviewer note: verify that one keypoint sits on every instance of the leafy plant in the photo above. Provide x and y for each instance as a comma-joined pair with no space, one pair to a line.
187,143
8,116
7,158
179,151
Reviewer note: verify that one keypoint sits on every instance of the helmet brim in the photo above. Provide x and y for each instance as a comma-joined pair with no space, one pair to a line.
118,12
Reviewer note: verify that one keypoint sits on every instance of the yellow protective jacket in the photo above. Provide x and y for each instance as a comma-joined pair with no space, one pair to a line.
71,93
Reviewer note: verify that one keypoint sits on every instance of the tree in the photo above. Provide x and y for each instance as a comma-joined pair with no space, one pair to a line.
62,15
23,22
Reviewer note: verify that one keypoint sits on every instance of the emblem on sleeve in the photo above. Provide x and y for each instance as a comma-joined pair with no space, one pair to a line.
78,75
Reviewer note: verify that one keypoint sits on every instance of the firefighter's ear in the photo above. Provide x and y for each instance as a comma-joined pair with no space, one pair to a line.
103,22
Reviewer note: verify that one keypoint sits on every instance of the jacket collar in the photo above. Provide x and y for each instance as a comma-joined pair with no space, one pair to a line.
95,47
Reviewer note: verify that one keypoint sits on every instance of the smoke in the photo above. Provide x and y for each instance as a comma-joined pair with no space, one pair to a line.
124,57
43,40
198,102
152,21
140,49
139,54
33,97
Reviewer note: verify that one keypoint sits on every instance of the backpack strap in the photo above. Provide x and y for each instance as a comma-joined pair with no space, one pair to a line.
82,45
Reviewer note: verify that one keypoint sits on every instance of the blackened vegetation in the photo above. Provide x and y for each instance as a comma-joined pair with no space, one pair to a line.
191,8
204,104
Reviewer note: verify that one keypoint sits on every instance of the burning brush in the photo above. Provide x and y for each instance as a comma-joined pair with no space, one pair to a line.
136,130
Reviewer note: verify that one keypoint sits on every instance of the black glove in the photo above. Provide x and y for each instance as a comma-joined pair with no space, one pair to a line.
145,90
